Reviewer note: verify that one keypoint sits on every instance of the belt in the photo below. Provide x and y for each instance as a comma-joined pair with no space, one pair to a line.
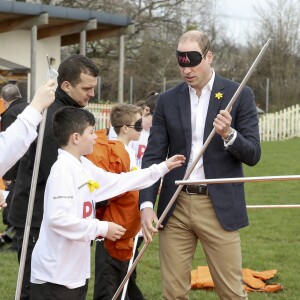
195,189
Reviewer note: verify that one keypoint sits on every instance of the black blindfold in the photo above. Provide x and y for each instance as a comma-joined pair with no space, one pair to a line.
188,59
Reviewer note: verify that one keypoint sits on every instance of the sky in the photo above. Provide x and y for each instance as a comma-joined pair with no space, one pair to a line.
239,16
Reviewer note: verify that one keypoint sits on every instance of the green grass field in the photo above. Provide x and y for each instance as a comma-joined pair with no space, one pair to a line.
270,242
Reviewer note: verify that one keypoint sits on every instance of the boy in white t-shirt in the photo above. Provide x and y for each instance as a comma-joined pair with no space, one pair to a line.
60,266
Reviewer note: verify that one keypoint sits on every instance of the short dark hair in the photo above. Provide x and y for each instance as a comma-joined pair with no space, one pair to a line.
69,120
151,100
71,68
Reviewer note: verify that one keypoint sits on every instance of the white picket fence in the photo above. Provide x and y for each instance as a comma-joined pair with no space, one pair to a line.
101,113
281,125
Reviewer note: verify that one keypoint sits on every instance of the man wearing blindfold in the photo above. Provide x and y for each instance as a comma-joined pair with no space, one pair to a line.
183,119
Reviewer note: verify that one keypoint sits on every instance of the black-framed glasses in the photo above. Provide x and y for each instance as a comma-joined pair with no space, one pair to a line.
137,126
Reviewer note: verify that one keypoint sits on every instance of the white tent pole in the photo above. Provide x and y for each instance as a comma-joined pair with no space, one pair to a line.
30,205
239,179
130,264
275,206
35,173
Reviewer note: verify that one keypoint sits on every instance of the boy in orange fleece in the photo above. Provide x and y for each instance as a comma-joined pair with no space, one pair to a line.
112,258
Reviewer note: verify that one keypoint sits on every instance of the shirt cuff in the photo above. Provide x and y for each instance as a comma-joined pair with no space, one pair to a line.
103,228
231,141
146,204
31,115
163,168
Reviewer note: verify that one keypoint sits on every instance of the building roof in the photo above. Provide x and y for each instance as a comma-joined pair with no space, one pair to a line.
11,66
61,21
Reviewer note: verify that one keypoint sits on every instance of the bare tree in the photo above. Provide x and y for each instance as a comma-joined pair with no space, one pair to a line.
281,22
156,24
150,48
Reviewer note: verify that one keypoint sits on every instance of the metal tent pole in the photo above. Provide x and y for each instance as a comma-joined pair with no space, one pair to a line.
35,173
30,205
239,179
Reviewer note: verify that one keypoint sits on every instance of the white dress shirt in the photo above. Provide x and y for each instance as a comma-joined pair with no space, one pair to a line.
199,107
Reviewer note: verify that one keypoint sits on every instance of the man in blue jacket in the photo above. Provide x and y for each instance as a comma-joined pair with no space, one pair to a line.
184,117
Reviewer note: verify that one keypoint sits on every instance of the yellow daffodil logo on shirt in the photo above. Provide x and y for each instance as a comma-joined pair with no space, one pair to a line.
134,168
92,185
219,95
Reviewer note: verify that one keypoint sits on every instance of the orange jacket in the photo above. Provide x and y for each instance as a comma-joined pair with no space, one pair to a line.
123,209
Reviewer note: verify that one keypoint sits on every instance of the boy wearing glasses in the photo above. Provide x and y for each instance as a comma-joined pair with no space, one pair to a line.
112,257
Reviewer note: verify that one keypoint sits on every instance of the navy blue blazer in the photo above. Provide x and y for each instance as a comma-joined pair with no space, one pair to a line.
171,134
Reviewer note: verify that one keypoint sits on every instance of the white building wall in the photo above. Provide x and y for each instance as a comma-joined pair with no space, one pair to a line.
50,47
16,47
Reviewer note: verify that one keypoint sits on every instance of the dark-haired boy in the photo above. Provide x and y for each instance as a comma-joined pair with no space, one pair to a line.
77,78
61,258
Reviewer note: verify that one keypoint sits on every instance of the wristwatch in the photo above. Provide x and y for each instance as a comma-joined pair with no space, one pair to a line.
229,136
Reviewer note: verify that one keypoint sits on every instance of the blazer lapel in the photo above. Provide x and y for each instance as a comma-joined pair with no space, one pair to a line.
214,105
185,113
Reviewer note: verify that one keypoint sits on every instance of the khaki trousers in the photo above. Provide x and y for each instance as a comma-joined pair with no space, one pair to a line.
194,219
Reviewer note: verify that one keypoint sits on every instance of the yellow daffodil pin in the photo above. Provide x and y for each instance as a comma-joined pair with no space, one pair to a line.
92,185
219,95
134,168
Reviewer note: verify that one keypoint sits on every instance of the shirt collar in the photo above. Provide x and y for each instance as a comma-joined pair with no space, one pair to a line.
209,85
66,155
63,97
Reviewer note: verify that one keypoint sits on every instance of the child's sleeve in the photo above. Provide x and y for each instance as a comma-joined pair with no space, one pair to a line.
114,184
